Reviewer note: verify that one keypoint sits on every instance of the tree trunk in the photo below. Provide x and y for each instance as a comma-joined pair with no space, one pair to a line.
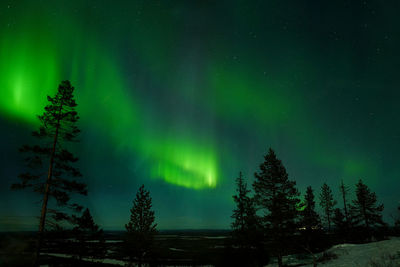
368,228
280,260
329,221
345,208
312,254
46,194
343,189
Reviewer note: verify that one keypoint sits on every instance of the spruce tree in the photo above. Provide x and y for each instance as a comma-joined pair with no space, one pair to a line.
365,208
51,171
327,203
310,219
90,238
244,225
278,197
141,227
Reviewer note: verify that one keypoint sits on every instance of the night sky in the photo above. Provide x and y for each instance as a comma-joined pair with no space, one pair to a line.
182,95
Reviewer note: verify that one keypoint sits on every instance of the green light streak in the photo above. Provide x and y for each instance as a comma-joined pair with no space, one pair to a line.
32,67
185,163
28,74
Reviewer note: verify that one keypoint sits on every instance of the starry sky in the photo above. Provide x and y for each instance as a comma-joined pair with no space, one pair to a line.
182,95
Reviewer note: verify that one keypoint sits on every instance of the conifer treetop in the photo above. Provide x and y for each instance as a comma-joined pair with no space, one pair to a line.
142,216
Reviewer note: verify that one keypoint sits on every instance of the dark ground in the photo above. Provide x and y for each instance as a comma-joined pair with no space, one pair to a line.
173,248
178,247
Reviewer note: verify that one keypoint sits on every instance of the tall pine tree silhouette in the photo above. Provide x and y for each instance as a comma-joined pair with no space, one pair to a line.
141,227
51,171
278,197
327,203
365,208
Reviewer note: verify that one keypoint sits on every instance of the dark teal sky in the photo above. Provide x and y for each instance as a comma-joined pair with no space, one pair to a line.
182,95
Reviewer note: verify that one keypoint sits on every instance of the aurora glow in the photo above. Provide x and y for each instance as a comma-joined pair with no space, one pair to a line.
183,95
179,162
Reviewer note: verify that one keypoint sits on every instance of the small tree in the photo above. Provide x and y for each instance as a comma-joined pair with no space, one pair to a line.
89,236
327,203
52,173
309,217
141,227
365,208
278,197
310,221
244,225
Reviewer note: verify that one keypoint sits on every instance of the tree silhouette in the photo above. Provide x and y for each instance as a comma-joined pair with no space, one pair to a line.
309,217
327,203
89,236
246,234
277,196
245,221
310,221
343,191
141,227
365,208
52,174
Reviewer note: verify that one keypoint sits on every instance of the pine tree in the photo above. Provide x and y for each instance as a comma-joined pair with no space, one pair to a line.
141,227
310,218
279,198
245,223
327,203
365,208
344,190
52,173
90,237
310,222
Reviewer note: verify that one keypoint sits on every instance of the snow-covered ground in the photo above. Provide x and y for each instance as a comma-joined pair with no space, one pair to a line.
376,254
109,261
382,253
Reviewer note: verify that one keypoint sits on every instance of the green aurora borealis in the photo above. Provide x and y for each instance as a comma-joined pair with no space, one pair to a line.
34,71
182,95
